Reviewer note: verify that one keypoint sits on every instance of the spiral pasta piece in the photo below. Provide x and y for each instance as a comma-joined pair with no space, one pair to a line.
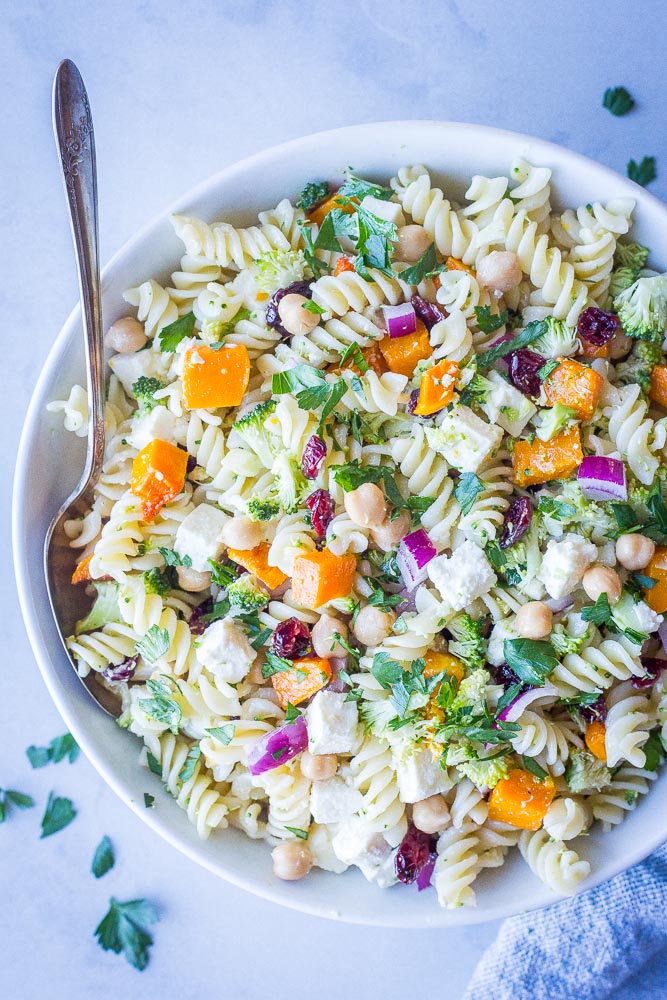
559,867
155,307
635,436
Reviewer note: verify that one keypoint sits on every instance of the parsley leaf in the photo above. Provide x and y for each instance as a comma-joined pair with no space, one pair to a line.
222,574
310,389
298,832
643,172
161,707
223,734
153,764
275,665
172,558
531,660
18,799
654,750
103,860
531,333
291,713
123,929
600,614
618,101
59,748
425,267
149,800
467,490
353,353
191,761
154,644
531,765
317,266
557,509
508,697
489,322
171,336
58,814
356,187
313,193
312,307
547,368
403,683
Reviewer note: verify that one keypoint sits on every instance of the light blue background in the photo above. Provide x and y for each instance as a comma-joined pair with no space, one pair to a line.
178,91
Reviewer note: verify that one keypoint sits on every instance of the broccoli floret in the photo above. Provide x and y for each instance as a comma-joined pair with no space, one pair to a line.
573,509
559,341
468,643
157,581
144,390
632,255
216,329
290,484
472,692
620,279
637,367
313,193
476,391
484,773
377,715
104,610
642,308
563,642
280,268
585,773
252,428
554,420
247,594
262,510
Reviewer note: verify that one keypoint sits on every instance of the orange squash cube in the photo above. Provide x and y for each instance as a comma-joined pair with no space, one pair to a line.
437,662
574,385
256,561
82,572
454,264
320,576
542,461
521,800
319,213
307,676
656,597
343,264
658,391
402,354
215,378
596,733
595,350
158,475
436,388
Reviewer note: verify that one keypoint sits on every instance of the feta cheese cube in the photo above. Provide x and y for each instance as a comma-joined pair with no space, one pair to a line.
501,630
390,211
199,536
355,844
334,801
564,564
129,367
320,843
506,406
225,651
156,423
333,723
465,440
463,576
419,774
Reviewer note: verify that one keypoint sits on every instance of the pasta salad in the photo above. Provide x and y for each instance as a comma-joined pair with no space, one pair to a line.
379,548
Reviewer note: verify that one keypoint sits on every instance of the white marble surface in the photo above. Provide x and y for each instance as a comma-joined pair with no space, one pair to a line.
179,90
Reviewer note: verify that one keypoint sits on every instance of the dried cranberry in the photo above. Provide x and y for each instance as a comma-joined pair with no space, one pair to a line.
414,399
505,675
413,854
313,456
272,316
291,639
653,667
597,326
321,507
428,312
523,368
192,464
516,522
197,626
123,672
597,712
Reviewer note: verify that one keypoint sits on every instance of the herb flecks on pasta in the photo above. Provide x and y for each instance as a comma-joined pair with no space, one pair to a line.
379,547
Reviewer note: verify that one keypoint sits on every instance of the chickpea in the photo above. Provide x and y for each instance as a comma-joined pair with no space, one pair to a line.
600,579
192,580
318,766
366,505
634,551
534,620
411,243
500,271
292,860
373,625
431,815
126,336
241,533
388,534
322,639
294,317
620,346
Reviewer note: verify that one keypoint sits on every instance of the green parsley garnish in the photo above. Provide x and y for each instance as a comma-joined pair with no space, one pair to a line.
532,332
171,336
618,101
154,644
161,707
58,814
531,660
103,859
467,490
643,172
123,929
489,322
9,797
223,734
172,558
191,761
426,267
59,748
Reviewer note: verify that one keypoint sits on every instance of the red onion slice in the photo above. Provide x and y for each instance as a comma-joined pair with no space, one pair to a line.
401,320
518,705
414,553
278,746
602,478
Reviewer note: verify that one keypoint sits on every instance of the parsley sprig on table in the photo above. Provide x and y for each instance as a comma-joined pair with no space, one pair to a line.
123,929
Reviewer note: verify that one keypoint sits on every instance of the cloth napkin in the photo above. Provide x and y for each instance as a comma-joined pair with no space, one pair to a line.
582,948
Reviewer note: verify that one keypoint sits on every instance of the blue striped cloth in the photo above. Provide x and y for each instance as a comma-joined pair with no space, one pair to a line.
587,947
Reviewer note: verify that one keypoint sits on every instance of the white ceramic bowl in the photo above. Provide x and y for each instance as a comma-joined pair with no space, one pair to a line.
50,461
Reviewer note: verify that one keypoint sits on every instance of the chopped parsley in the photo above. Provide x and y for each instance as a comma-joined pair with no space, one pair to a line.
103,859
123,929
59,748
223,734
424,268
489,322
154,644
172,558
467,490
58,814
149,800
618,101
532,660
600,614
161,707
191,761
298,832
529,335
170,336
643,172
10,797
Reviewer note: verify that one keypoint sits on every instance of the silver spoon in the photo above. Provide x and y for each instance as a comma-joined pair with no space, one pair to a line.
73,128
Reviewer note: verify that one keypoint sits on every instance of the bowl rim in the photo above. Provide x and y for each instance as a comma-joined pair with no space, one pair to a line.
544,152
